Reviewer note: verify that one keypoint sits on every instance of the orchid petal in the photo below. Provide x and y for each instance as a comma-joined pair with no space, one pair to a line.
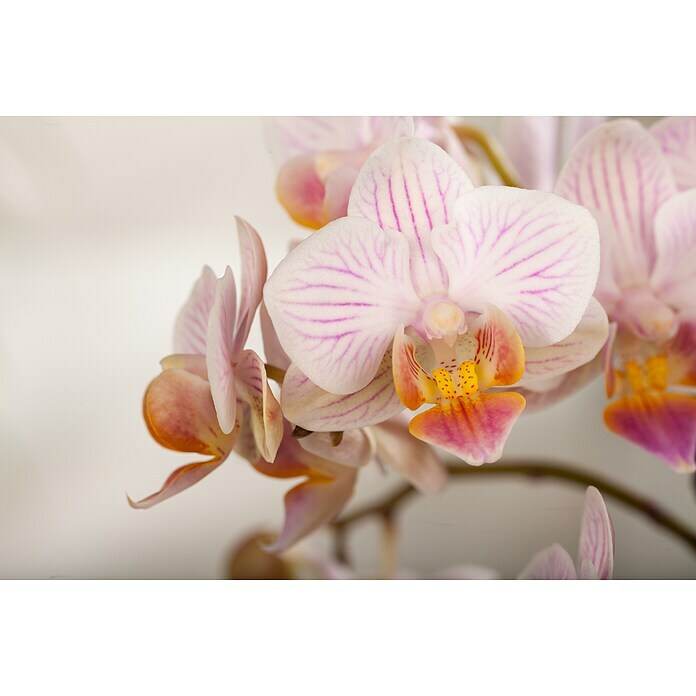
596,536
531,143
414,386
619,170
664,425
275,355
572,352
411,458
553,563
301,192
681,356
311,407
356,449
500,356
195,364
573,129
337,300
674,274
543,393
180,415
677,138
245,446
190,330
266,416
411,185
474,429
254,270
219,355
533,255
314,502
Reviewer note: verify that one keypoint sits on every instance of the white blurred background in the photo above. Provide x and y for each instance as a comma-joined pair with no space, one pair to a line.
105,224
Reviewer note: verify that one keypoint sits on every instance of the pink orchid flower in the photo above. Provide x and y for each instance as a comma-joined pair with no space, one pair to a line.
539,145
647,283
212,389
595,552
431,291
320,157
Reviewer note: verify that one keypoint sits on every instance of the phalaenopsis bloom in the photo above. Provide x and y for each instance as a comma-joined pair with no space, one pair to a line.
433,292
320,157
647,219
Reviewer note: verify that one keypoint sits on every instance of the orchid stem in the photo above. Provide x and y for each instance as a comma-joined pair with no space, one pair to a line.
490,149
390,547
534,469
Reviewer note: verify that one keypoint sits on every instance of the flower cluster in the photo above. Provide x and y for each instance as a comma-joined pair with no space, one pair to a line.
423,291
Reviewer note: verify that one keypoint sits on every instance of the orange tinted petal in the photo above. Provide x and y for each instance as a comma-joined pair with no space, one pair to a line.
413,385
473,429
301,191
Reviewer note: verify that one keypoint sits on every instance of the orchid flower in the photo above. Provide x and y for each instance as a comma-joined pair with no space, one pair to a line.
538,145
647,282
677,138
431,291
320,157
595,553
212,389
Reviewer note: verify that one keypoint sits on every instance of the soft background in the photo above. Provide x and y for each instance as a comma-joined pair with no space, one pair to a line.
105,224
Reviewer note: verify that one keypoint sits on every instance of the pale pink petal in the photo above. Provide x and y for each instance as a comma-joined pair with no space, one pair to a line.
192,322
533,255
645,315
596,536
662,424
553,563
275,355
570,353
674,274
681,356
180,415
195,364
411,458
677,138
531,143
356,449
619,170
311,407
337,187
337,299
411,185
290,136
474,429
543,393
254,271
219,355
573,128
266,417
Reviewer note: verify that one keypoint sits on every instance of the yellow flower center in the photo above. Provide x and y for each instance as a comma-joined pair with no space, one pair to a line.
466,383
649,376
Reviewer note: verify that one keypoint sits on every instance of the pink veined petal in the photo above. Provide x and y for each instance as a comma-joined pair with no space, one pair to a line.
573,129
219,355
311,407
299,135
254,270
533,255
316,501
677,138
570,353
391,127
543,393
275,355
337,299
674,274
474,429
180,416
356,449
553,563
596,536
266,417
410,185
192,322
532,142
662,424
619,170
411,458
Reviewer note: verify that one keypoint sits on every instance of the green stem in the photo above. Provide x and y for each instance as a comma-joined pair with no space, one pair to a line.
536,470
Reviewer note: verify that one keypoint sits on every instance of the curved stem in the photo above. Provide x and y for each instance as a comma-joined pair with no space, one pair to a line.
537,470
469,133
